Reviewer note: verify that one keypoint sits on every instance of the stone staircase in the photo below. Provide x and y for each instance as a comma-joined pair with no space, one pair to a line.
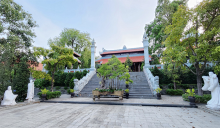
139,88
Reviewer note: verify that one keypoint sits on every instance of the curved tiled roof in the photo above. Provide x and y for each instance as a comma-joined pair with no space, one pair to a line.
122,51
123,59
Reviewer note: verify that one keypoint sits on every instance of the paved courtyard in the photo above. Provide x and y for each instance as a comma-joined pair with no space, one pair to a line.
56,115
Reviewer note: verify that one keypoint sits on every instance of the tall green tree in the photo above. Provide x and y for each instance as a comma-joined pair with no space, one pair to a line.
79,41
163,17
16,29
21,79
185,42
55,58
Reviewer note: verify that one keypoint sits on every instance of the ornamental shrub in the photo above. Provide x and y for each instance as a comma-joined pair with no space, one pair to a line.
84,72
69,76
57,87
21,80
65,88
174,92
50,95
71,83
78,75
199,99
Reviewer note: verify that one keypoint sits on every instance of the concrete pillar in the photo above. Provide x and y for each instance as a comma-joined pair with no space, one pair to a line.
93,50
146,52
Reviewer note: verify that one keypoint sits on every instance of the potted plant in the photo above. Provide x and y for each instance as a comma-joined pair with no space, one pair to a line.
191,97
72,93
44,94
158,90
127,93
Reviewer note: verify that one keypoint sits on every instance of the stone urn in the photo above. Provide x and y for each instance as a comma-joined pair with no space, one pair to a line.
72,95
158,96
127,86
192,100
43,97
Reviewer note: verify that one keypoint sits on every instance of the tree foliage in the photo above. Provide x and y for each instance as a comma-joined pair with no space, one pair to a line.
113,70
55,58
16,29
186,43
79,41
128,62
21,79
163,17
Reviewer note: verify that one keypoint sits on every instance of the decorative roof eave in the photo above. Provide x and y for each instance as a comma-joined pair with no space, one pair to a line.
79,55
121,50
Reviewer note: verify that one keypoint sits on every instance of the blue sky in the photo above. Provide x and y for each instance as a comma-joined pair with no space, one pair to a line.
112,23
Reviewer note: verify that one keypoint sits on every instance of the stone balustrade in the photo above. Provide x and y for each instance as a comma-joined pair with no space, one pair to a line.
75,70
79,84
152,81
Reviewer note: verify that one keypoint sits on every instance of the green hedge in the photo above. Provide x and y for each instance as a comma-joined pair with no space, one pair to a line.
199,99
50,95
174,92
61,79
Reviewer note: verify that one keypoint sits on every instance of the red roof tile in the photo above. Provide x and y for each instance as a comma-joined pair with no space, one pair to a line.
123,51
123,59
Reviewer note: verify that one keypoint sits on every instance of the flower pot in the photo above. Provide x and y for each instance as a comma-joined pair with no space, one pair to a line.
127,86
43,97
158,96
127,95
72,95
192,100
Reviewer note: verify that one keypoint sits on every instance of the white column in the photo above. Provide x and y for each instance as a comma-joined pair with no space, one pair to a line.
93,50
146,53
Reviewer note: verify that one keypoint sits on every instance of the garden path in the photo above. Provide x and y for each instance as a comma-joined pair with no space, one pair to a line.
56,115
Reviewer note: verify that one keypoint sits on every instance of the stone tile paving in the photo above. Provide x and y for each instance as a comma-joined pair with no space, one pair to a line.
56,115
166,99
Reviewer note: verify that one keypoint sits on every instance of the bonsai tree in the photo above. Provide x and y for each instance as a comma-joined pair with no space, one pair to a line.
113,70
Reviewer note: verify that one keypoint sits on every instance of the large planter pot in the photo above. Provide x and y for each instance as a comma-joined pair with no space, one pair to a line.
192,100
158,96
127,95
43,97
72,95
127,86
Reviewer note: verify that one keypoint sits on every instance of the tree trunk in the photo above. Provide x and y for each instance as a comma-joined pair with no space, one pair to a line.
199,80
174,84
199,85
52,83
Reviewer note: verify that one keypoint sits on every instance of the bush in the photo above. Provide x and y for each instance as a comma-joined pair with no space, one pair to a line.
71,84
68,91
199,99
57,87
84,73
66,88
69,76
50,95
78,75
174,92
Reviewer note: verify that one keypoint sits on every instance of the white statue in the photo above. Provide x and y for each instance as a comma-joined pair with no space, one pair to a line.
9,97
30,91
212,85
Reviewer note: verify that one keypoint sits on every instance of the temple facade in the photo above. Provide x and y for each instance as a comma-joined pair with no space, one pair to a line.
136,55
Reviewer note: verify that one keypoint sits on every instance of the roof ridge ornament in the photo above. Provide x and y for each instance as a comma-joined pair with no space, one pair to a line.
124,47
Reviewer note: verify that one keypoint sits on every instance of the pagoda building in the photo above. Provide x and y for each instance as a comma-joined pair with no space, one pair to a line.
136,55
